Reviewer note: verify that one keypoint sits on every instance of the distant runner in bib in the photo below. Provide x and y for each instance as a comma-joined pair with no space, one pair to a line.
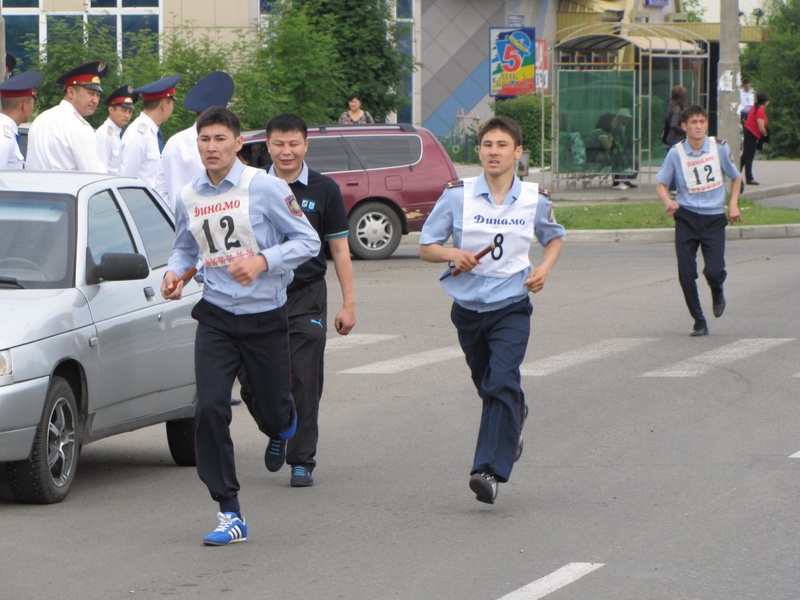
699,166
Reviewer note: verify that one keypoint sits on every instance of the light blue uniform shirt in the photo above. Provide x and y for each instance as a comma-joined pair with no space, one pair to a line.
476,292
284,239
702,203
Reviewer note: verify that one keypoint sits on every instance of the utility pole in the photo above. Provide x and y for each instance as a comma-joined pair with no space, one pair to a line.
2,42
727,84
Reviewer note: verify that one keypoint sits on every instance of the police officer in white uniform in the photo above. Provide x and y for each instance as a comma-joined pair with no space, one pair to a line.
180,159
109,135
142,142
60,138
17,96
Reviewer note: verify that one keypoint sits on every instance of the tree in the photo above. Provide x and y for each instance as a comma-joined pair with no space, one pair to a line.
773,65
367,40
694,10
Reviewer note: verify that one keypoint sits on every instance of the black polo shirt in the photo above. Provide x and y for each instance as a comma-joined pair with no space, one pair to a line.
322,204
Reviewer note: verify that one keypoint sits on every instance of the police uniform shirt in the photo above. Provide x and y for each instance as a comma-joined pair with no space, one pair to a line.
61,139
283,233
711,202
476,292
180,163
109,145
10,153
321,200
141,156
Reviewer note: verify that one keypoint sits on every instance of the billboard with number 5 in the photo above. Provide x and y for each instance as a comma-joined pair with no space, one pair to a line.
513,58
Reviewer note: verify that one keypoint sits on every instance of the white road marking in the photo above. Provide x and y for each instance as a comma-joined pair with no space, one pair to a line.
795,455
552,582
603,349
344,342
410,361
719,357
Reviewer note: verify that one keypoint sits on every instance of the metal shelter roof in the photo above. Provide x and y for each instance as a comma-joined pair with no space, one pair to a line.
601,42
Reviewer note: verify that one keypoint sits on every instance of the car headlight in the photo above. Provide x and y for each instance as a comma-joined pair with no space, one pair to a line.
5,363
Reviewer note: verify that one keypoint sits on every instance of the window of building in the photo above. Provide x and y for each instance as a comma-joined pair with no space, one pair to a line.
20,3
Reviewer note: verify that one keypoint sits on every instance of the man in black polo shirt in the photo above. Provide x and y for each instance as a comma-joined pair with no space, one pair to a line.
307,303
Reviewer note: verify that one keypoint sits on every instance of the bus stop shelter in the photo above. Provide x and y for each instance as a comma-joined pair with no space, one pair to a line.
615,79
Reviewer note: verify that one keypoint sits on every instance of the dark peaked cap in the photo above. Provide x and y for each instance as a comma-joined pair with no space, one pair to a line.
163,88
22,85
11,62
215,89
122,96
87,75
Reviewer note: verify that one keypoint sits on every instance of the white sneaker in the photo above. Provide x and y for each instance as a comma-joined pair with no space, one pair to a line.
620,186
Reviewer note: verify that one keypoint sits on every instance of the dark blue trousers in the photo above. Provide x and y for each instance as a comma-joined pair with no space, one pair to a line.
707,232
494,345
224,342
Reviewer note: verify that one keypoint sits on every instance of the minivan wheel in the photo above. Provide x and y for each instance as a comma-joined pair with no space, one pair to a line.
46,477
375,231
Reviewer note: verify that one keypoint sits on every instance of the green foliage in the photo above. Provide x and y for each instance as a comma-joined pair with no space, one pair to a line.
694,10
773,65
297,70
367,48
527,111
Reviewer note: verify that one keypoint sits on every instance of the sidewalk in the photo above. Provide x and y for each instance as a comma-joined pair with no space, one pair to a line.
780,187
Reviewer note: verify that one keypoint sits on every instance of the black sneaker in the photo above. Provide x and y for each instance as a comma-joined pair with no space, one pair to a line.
485,487
718,299
521,425
301,477
275,455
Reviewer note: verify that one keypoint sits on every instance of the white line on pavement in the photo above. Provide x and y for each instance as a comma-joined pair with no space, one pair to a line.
552,582
357,339
559,362
410,361
795,455
707,361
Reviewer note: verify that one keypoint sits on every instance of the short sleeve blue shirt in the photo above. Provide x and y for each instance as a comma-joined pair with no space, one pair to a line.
476,292
711,202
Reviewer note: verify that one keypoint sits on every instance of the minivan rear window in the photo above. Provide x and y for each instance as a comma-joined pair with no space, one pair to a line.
330,155
381,151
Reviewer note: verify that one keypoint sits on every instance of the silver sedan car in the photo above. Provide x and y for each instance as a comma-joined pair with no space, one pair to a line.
88,347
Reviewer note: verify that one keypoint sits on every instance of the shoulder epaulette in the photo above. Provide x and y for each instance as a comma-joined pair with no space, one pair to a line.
720,141
544,192
454,184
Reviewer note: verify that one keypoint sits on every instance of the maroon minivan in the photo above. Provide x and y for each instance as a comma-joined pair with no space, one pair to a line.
390,175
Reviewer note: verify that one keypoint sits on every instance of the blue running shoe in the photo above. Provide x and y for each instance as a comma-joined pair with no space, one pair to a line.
231,529
301,477
275,455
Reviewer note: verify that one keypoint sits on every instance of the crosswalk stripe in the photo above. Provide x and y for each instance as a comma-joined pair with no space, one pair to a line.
410,361
344,342
553,582
559,362
707,361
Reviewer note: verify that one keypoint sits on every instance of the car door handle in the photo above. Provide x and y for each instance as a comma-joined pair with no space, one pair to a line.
148,292
352,183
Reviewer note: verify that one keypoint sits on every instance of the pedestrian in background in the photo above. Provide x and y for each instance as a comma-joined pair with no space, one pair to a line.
355,115
142,141
120,104
491,309
17,98
755,132
60,138
699,166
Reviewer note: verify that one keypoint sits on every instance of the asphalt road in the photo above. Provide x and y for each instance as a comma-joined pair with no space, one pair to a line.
656,466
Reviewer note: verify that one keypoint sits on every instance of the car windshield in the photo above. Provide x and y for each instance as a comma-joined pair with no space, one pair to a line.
37,245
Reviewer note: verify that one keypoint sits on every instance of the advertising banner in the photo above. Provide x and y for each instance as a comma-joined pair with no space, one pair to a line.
512,50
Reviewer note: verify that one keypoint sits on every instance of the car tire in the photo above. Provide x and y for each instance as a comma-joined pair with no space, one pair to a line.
375,231
46,477
180,437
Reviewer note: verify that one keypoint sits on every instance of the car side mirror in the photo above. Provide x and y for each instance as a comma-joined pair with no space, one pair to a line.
116,266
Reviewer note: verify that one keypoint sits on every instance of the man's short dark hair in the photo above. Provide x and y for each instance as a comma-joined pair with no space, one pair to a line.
285,123
691,111
218,115
507,124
